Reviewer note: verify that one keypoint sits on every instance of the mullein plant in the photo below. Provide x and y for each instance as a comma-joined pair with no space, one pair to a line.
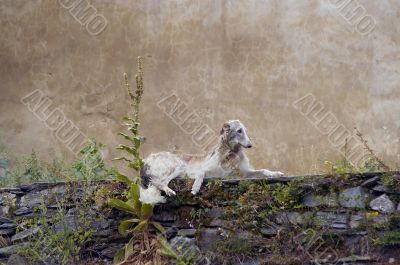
141,212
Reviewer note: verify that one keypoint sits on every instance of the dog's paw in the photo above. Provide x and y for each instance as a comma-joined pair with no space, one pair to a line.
169,192
278,174
272,174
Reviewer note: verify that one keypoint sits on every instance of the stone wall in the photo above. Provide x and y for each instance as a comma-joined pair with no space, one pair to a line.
291,220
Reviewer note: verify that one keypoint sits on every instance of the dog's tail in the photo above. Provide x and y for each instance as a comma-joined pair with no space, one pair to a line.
151,195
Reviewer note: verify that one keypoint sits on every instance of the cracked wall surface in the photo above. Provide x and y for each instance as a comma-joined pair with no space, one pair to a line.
246,60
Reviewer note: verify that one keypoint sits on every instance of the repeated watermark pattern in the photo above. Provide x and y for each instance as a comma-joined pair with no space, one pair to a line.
326,122
313,245
54,118
355,15
86,15
188,120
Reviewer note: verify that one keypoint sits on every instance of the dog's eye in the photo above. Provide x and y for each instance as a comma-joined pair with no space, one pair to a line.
239,131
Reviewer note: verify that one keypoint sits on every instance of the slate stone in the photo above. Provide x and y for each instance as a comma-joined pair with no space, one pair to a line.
220,223
103,224
216,212
382,204
333,220
16,259
5,211
110,251
209,237
6,198
34,199
9,250
353,198
380,188
68,223
356,219
7,225
23,211
16,191
186,248
165,216
292,217
187,232
370,182
34,186
381,220
312,200
5,220
24,234
7,231
105,233
398,207
268,231
171,232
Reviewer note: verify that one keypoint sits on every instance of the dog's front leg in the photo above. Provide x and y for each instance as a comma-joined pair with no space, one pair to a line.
197,183
245,169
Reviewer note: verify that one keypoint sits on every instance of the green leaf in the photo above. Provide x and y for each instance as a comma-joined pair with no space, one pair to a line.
158,226
123,178
166,253
126,136
140,226
128,149
133,129
166,250
125,225
121,205
136,165
133,197
129,248
126,118
136,142
119,257
146,211
121,158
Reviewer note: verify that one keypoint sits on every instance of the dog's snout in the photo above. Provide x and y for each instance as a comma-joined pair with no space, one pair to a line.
249,146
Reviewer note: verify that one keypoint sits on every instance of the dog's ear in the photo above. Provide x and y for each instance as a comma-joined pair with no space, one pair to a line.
225,128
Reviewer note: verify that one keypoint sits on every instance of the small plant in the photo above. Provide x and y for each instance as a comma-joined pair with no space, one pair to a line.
87,166
59,239
198,214
32,167
26,171
90,165
373,163
389,238
140,212
391,182
344,167
286,196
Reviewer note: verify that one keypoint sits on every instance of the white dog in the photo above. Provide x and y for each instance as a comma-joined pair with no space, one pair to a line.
227,158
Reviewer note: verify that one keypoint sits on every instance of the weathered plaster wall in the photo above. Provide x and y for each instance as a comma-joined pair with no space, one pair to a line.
247,60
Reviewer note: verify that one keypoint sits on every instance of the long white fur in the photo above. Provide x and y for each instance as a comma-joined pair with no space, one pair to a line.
165,166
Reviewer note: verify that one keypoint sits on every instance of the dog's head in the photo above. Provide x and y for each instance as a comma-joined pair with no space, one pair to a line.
235,134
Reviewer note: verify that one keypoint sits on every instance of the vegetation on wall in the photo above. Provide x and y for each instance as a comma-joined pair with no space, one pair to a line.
88,166
136,227
56,237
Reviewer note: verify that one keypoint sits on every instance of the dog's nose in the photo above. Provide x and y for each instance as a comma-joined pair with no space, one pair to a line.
249,146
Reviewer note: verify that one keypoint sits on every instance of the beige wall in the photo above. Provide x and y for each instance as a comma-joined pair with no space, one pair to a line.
247,60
